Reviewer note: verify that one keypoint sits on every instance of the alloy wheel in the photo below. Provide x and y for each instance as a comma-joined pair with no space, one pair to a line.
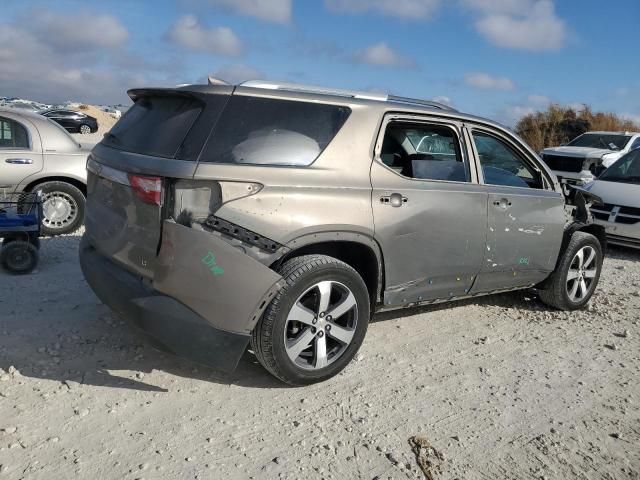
85,129
320,325
582,273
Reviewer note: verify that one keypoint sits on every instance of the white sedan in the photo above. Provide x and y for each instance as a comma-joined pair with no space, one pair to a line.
619,188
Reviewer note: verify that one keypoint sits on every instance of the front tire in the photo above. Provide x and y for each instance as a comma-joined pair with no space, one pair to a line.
84,129
315,324
63,207
572,284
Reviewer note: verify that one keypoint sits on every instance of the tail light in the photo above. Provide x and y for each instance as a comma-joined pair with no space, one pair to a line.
147,189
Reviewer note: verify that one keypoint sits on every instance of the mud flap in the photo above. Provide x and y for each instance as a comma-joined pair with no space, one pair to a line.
219,282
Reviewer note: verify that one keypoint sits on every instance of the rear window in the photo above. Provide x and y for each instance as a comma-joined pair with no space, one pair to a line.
263,131
155,125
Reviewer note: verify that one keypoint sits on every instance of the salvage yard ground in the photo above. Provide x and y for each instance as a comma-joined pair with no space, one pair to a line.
502,387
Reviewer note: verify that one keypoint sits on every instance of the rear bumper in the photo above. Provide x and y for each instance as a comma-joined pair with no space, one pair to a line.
165,319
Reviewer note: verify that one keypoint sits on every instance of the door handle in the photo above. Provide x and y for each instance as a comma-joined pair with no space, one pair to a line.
395,200
19,161
503,203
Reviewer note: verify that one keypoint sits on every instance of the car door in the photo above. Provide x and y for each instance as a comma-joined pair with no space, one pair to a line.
20,152
525,214
430,213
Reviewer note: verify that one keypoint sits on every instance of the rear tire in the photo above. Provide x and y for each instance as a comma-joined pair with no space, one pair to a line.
62,207
19,257
572,284
84,129
297,339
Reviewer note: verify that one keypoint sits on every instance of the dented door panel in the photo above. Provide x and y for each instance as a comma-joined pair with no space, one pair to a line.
525,228
216,280
432,244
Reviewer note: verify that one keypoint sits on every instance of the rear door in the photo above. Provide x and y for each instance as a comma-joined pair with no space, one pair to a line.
430,213
133,169
525,215
20,152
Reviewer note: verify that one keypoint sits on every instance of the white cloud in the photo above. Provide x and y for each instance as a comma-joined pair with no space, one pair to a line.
50,70
238,73
489,82
539,100
382,55
520,24
83,31
190,34
407,9
277,11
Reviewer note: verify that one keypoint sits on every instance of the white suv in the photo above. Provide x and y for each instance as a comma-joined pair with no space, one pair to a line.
586,156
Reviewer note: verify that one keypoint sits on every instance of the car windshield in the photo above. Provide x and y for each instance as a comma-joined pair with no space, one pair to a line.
601,140
625,170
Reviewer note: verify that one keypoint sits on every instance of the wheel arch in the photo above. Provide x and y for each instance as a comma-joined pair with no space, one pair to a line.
359,251
597,231
80,185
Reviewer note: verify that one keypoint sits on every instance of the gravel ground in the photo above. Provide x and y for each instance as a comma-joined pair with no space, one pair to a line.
496,388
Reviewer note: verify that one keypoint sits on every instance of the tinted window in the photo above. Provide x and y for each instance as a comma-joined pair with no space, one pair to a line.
155,125
262,131
635,144
426,152
502,166
12,134
625,170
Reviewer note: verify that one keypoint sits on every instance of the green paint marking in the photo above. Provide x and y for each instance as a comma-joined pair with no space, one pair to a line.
209,260
523,261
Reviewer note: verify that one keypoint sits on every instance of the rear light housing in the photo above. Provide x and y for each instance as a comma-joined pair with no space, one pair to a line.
147,189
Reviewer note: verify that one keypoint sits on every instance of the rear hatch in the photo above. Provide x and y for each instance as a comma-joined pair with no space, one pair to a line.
156,143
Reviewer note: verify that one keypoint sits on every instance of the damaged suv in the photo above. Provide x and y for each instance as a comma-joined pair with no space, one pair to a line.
284,216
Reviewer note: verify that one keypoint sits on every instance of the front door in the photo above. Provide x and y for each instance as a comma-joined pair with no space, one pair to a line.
430,213
20,154
525,215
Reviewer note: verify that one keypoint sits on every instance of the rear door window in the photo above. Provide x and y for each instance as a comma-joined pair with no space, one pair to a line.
155,125
12,134
263,131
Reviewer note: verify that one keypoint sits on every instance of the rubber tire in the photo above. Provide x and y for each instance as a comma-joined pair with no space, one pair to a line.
267,339
10,248
78,196
555,292
80,128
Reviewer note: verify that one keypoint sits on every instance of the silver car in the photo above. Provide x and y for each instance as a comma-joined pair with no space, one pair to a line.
37,154
619,188
283,216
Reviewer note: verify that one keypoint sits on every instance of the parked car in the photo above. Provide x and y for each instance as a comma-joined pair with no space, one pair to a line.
72,121
619,188
585,157
37,154
284,216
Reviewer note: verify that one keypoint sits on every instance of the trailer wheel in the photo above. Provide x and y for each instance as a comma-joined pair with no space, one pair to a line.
19,257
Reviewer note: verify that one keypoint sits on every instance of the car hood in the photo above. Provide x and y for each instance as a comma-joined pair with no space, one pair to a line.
578,152
617,193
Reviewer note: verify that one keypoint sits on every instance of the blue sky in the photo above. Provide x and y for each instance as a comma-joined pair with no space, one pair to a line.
498,58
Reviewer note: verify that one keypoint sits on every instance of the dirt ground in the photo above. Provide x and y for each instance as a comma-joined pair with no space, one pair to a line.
490,389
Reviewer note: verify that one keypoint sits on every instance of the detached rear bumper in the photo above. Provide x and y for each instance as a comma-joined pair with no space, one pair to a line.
172,319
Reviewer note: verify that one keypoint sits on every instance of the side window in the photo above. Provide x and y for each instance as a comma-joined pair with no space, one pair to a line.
12,134
424,151
503,166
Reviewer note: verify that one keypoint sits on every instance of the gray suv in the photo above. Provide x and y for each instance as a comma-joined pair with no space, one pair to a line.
283,216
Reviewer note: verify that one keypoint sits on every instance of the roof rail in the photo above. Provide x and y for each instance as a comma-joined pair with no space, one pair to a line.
381,97
424,103
294,87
